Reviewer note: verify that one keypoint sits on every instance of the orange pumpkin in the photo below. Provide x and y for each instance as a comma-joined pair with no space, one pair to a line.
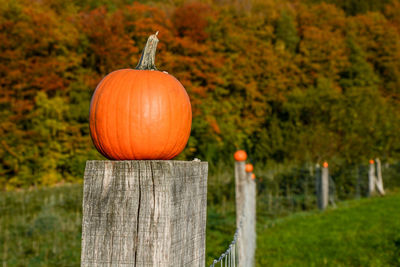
140,113
240,155
371,161
253,176
325,164
249,167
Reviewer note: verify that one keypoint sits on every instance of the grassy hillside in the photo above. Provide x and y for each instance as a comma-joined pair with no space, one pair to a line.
43,228
357,233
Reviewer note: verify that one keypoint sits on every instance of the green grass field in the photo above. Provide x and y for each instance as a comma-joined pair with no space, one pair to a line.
43,228
362,232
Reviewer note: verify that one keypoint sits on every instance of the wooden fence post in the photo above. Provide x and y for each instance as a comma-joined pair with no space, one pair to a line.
246,213
240,191
144,213
371,178
249,226
322,186
379,180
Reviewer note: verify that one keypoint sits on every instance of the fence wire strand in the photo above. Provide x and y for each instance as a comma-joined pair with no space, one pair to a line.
229,256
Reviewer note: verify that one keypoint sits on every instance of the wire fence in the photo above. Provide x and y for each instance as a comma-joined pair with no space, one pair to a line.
280,193
292,190
285,191
229,258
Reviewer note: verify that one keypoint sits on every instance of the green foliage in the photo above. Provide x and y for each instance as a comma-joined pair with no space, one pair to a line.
286,31
359,73
354,7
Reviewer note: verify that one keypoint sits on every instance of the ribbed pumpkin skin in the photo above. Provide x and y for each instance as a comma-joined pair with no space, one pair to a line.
140,114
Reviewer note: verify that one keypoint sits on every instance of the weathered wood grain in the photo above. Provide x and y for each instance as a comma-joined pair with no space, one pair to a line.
144,213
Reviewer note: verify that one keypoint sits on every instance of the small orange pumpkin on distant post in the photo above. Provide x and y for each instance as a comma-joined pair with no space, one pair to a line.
325,164
253,176
371,161
140,113
240,155
249,167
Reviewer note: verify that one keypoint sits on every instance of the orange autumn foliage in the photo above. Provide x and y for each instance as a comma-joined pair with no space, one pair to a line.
292,81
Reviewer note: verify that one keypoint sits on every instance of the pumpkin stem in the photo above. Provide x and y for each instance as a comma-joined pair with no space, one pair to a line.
148,57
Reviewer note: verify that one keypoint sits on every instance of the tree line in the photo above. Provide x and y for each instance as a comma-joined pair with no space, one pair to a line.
289,81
